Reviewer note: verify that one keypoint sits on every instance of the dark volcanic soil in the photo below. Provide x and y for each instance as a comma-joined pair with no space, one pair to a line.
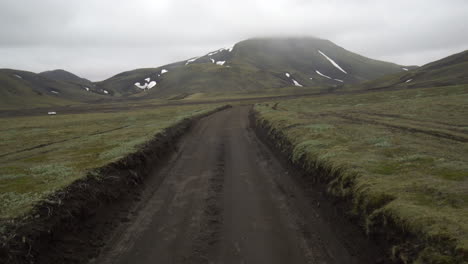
225,198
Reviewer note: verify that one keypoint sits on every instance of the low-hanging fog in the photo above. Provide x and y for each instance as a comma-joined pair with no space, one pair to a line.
97,39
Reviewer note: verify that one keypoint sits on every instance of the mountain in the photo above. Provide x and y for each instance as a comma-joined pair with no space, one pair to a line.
23,89
452,70
308,55
65,76
257,65
254,65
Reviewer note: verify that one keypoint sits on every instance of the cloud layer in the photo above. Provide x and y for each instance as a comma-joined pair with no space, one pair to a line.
97,39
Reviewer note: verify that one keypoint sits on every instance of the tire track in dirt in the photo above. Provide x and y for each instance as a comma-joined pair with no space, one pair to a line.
429,122
167,221
434,133
208,237
61,141
446,133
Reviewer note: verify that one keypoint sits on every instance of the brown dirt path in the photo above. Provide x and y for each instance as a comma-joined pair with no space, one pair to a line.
225,198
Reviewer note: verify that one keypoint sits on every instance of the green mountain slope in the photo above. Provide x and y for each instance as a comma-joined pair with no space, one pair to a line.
254,65
452,70
68,77
308,55
22,89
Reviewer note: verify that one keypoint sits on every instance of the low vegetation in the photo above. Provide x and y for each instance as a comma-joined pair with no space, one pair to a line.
400,156
42,154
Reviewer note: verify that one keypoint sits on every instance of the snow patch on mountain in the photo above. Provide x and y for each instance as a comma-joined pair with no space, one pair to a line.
151,84
212,61
17,76
321,74
163,71
148,83
338,80
105,91
191,60
287,75
55,92
212,53
221,63
405,69
407,81
296,83
332,62
86,88
141,86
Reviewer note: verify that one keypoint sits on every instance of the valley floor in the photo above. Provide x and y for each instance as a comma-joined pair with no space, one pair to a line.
136,104
40,155
397,157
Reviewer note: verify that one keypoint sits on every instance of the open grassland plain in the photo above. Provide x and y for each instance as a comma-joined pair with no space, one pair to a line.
401,157
265,93
39,155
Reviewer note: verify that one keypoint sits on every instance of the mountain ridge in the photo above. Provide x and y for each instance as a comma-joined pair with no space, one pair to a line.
451,70
254,65
259,65
65,76
27,89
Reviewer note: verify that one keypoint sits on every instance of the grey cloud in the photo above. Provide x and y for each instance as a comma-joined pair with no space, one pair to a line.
97,39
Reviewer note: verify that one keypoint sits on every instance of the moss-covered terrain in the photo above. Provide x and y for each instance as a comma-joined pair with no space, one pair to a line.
400,157
42,154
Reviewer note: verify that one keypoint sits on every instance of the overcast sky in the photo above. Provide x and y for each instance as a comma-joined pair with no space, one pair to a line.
100,38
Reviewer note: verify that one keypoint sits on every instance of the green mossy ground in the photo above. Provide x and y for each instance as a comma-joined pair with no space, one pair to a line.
405,153
42,154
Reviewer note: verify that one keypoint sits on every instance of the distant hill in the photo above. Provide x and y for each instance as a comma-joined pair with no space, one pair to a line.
65,76
22,89
254,65
452,70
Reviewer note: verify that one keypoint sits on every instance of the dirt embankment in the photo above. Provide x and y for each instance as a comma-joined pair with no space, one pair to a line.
398,244
39,237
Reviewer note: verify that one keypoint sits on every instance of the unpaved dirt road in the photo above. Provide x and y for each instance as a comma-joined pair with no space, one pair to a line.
225,198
